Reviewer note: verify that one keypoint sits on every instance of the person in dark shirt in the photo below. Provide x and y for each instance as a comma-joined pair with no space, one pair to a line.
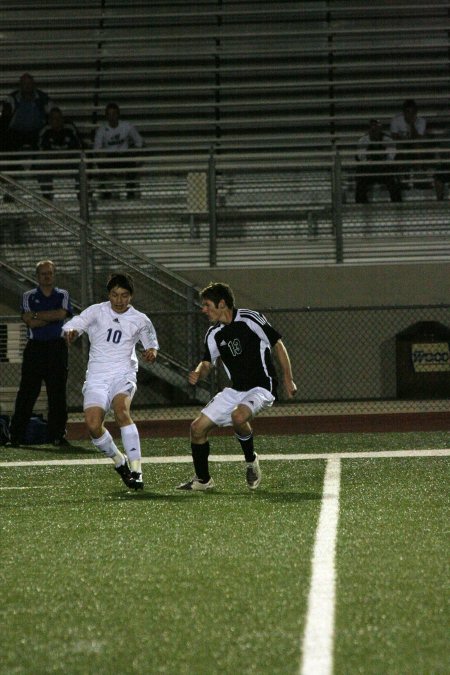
29,109
244,341
45,358
57,136
5,133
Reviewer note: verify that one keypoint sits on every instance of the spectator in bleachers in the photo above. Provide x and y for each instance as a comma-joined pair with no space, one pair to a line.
58,135
29,109
442,173
6,143
5,134
409,129
115,137
376,153
408,125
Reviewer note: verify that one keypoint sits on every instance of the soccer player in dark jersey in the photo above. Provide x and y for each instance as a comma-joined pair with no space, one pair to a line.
244,341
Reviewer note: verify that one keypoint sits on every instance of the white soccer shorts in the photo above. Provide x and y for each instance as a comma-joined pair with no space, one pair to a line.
100,393
219,409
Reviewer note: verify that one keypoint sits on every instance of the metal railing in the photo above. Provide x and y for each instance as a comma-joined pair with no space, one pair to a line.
196,210
344,355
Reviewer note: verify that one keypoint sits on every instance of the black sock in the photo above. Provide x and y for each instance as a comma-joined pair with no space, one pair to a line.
247,447
200,454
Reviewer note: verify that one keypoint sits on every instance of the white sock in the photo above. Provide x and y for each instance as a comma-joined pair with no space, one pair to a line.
106,445
132,446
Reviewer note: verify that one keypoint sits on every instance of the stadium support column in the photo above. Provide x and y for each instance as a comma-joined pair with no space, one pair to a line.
336,198
212,209
85,254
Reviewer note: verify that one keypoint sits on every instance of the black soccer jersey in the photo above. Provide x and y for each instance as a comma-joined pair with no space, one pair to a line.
64,139
244,347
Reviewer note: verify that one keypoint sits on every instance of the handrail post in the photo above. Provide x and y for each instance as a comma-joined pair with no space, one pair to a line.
336,200
85,261
212,206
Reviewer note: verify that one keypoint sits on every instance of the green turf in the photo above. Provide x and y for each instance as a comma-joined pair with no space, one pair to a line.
99,580
393,571
307,443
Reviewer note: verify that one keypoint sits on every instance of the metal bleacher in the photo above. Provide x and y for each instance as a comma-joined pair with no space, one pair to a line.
242,73
274,89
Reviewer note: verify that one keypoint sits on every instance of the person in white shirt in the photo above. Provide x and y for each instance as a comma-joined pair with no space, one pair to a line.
408,125
376,153
114,328
409,129
114,138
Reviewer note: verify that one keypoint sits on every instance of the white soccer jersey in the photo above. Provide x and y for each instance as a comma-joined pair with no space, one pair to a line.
115,139
400,126
113,338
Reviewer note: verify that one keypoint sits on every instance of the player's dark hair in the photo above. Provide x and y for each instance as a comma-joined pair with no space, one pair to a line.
217,291
112,106
409,104
121,281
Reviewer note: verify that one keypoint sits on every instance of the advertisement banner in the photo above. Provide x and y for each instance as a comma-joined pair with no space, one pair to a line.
431,357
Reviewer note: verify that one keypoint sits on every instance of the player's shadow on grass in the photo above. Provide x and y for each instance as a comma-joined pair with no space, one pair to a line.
65,452
282,497
147,495
287,497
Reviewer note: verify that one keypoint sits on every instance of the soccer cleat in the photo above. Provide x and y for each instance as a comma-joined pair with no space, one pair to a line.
135,481
195,484
253,473
125,473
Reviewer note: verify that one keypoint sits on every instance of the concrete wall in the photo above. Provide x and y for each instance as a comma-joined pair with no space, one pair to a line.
335,355
338,285
341,355
334,286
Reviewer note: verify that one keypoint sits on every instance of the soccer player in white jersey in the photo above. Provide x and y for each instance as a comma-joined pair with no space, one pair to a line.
244,341
114,328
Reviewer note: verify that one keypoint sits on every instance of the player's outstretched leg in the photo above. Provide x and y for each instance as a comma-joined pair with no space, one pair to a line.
244,435
202,480
107,446
124,472
196,485
253,473
132,446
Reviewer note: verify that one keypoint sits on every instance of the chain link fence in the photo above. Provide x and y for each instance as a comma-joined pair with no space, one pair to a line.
185,213
343,356
199,211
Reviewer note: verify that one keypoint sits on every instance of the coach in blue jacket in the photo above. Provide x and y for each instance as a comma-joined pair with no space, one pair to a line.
45,358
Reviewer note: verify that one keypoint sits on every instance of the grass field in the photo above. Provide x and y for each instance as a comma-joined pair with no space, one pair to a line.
99,580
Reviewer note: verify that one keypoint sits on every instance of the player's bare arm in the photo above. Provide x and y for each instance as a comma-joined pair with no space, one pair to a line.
150,355
70,336
282,356
200,373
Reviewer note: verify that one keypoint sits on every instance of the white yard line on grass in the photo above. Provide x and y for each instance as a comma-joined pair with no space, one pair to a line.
27,487
317,647
186,459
